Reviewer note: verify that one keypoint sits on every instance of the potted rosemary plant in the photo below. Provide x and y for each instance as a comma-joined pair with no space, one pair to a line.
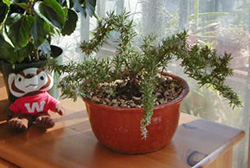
26,29
133,104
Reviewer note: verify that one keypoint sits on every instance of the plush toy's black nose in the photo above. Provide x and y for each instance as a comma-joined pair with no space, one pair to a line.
29,76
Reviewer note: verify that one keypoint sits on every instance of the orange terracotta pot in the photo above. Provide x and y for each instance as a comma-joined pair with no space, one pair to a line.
119,128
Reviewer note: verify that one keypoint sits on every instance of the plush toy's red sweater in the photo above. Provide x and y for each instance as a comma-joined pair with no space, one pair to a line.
34,104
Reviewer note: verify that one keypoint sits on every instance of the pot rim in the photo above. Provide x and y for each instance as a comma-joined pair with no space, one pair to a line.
175,101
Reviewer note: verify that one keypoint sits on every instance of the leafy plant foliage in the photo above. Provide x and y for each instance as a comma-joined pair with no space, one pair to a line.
26,26
139,67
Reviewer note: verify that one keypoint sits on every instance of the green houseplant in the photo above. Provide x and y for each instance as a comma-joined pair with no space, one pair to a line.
134,82
27,26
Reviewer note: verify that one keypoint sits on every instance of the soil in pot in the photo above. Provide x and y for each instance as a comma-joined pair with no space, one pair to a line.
128,95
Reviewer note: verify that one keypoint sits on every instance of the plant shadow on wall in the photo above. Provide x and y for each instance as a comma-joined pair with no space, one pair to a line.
236,41
134,78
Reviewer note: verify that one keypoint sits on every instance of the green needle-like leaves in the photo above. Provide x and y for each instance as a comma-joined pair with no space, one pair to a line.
139,67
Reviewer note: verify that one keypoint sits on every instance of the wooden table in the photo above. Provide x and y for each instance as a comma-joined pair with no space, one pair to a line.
71,144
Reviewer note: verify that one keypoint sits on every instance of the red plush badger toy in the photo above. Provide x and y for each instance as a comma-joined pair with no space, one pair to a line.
33,102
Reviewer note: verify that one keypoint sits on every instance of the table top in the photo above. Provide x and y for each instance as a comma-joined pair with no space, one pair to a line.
71,143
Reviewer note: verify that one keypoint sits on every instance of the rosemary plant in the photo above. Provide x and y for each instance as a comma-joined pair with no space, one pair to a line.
138,69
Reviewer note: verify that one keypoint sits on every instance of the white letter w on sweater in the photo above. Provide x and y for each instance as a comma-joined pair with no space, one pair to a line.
35,105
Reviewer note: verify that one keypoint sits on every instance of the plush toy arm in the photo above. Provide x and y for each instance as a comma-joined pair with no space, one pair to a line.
10,114
55,105
14,108
59,109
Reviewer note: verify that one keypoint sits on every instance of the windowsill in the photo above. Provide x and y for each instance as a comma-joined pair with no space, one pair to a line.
71,143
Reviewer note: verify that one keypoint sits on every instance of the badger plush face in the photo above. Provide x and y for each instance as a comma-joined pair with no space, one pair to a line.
29,80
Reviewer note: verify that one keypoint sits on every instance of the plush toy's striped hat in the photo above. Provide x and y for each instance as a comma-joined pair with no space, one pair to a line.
29,80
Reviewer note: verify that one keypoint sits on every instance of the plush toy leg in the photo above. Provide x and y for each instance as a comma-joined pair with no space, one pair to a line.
43,120
20,123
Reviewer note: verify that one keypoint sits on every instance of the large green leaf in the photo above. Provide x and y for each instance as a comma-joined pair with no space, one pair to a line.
13,55
3,11
14,17
24,6
39,31
7,52
19,29
70,24
51,11
7,2
20,1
